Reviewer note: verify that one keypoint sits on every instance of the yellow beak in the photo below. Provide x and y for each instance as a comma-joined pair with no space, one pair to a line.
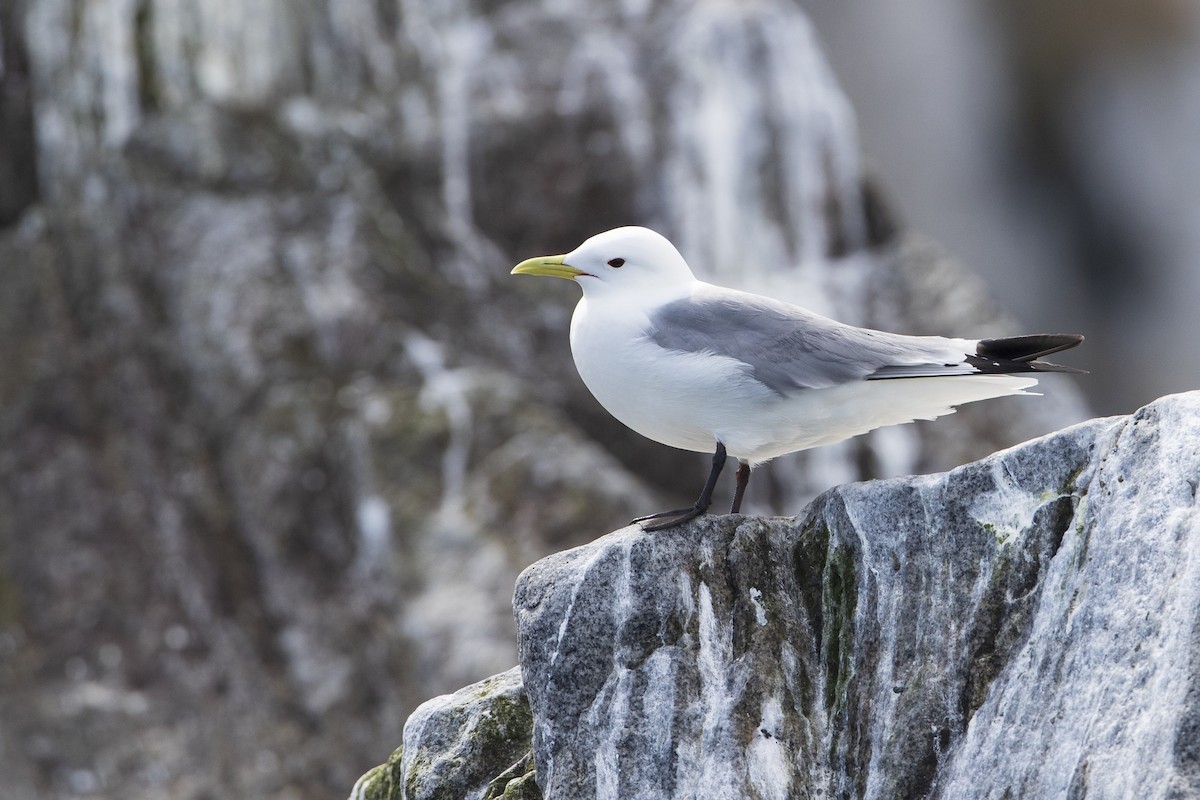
547,265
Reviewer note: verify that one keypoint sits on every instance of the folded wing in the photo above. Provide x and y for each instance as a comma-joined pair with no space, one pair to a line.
789,348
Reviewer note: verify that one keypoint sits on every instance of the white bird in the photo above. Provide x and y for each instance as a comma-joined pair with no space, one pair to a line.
714,370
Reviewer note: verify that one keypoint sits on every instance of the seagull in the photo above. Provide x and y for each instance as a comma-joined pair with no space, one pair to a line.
714,370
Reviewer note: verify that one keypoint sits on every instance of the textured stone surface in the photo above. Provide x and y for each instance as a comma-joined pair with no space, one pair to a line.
1023,626
460,746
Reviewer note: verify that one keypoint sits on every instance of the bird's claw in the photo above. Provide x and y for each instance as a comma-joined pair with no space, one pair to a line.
677,516
673,512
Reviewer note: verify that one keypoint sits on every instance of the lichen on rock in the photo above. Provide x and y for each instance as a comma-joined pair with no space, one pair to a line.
463,745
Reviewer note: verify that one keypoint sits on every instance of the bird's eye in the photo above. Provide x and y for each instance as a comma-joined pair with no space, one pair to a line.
616,263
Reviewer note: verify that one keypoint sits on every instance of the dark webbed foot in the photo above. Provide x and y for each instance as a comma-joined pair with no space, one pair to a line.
679,516
673,512
685,515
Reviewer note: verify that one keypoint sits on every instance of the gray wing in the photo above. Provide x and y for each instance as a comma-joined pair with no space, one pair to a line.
789,348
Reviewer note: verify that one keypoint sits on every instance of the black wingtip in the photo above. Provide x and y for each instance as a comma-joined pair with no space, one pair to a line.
1050,366
1015,354
1029,348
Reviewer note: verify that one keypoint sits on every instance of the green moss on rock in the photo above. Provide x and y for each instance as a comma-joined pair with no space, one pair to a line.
382,782
474,742
839,601
518,782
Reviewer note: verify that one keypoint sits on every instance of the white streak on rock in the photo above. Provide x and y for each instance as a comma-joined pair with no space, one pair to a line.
768,760
760,613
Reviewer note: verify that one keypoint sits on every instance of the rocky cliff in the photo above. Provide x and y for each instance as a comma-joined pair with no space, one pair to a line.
1024,626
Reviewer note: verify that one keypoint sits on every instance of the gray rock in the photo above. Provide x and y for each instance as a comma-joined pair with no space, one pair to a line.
471,744
1023,626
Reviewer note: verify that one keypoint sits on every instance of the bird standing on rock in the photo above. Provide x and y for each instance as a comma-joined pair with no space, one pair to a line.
714,370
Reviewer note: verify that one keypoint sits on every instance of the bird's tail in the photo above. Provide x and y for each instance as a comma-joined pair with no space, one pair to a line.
1023,353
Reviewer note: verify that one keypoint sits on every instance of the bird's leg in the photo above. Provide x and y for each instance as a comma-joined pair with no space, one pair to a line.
739,489
682,515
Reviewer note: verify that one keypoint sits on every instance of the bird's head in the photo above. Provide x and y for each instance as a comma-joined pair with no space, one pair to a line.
618,260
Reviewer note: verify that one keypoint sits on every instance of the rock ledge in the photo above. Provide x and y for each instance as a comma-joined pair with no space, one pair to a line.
1024,626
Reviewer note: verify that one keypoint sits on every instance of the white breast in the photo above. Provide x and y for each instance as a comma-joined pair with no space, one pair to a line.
683,400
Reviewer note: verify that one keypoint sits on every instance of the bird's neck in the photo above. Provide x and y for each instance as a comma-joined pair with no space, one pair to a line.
637,297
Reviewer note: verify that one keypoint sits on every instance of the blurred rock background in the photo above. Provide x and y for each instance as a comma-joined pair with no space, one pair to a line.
1053,147
278,430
